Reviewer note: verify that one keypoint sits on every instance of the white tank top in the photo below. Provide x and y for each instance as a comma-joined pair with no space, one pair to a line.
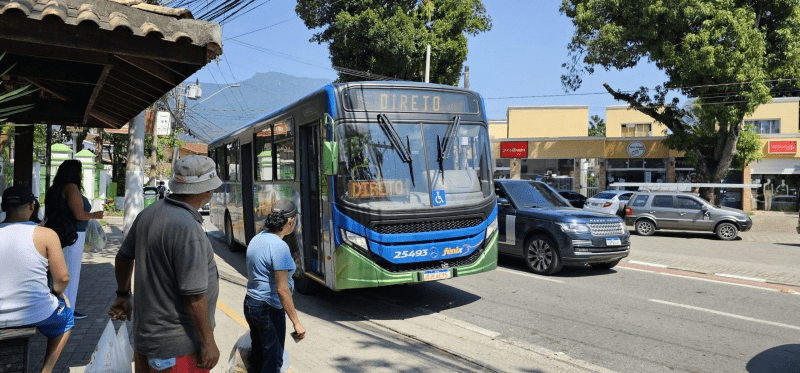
25,297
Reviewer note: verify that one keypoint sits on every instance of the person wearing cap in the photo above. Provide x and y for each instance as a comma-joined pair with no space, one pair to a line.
269,290
176,284
28,253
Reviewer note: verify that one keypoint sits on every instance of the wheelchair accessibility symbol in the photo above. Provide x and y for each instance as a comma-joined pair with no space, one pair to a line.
439,198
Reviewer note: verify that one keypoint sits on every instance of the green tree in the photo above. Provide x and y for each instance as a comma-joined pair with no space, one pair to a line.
597,126
389,37
729,56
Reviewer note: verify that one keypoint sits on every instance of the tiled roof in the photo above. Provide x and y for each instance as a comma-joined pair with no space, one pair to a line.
118,15
195,148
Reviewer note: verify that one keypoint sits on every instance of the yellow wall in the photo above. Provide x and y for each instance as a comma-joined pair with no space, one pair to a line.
498,129
616,116
548,121
618,148
566,149
785,109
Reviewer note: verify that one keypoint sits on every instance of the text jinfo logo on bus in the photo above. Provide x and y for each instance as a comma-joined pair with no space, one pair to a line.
514,149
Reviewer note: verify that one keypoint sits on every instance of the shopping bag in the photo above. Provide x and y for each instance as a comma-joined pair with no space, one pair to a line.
113,353
241,353
95,236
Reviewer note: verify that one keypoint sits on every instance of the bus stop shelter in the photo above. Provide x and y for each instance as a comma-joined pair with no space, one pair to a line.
96,63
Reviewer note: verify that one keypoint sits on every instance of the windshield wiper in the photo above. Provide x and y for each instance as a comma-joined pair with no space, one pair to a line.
444,143
404,151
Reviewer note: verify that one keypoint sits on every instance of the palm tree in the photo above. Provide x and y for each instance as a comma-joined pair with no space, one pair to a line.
6,112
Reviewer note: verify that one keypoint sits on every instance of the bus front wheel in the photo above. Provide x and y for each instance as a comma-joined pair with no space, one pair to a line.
233,246
304,285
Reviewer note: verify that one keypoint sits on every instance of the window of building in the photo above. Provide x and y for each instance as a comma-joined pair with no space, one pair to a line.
636,130
766,126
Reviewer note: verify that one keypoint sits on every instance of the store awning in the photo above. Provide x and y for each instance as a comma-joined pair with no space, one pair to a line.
775,167
98,63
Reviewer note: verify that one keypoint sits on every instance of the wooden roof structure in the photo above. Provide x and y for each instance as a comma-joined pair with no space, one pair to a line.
98,63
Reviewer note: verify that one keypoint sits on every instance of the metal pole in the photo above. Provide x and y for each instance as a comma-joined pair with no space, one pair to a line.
427,63
179,111
466,77
134,177
48,156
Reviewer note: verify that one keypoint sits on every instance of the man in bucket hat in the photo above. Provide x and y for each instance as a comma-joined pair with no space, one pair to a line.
176,287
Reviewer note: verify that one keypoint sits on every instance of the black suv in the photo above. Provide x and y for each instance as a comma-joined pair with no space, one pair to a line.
537,224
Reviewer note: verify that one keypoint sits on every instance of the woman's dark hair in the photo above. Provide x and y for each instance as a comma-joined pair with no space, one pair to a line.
275,222
68,172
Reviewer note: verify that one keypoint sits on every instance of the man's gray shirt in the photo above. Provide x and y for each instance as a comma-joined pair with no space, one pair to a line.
173,257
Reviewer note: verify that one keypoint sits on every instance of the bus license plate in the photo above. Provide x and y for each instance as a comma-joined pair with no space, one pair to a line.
613,242
436,274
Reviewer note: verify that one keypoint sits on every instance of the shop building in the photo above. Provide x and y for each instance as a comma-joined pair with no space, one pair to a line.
551,144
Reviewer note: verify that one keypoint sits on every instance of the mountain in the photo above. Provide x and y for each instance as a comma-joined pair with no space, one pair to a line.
219,111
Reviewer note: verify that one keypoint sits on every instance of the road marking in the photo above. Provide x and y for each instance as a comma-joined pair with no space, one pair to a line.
727,314
648,264
232,314
704,279
530,275
457,322
740,277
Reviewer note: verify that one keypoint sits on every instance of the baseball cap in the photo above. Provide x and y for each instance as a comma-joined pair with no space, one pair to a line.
15,196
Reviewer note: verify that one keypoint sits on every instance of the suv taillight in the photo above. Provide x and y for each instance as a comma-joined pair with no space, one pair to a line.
607,204
628,211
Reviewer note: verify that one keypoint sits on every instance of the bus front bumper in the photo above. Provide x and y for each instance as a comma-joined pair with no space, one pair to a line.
353,270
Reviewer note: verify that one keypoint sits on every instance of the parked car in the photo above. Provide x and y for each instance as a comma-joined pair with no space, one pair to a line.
784,203
575,199
205,209
610,202
537,224
651,211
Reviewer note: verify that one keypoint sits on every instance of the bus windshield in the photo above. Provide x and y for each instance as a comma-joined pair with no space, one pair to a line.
400,165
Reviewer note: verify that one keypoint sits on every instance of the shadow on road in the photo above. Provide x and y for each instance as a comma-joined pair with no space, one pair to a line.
518,264
784,358
690,235
788,244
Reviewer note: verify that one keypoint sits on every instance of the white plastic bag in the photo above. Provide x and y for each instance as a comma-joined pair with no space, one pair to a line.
113,354
241,352
95,236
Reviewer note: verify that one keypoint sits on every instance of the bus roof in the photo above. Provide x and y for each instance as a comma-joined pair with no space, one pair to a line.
330,88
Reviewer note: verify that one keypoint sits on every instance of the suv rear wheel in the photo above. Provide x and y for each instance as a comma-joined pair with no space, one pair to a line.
541,255
645,227
727,231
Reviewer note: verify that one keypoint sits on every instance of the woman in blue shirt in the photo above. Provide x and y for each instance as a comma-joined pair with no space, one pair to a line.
269,290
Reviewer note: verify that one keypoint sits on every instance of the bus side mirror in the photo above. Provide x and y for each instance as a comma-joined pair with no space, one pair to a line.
502,202
330,158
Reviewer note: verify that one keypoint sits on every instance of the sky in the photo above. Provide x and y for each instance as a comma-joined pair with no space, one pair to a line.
516,63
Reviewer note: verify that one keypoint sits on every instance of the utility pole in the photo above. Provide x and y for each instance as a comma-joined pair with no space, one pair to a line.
179,113
466,77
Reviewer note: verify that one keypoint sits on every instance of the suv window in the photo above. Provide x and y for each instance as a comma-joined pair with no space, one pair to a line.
662,201
689,203
640,201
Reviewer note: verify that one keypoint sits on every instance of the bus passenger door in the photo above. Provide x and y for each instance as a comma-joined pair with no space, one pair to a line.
310,213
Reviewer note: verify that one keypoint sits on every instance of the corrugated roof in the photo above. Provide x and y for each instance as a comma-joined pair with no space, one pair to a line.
128,16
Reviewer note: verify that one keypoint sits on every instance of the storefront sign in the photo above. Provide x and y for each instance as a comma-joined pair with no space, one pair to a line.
636,149
782,147
514,149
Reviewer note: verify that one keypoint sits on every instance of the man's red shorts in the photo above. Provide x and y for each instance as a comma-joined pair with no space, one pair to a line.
183,364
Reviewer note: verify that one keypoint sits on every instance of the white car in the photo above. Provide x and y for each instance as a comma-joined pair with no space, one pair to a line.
610,202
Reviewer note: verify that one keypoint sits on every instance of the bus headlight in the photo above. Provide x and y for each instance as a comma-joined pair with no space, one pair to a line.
353,239
491,229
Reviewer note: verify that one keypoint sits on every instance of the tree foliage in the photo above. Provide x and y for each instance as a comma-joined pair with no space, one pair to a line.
729,56
597,126
389,37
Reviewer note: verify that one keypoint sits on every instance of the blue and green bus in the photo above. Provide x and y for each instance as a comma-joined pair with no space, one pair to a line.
393,181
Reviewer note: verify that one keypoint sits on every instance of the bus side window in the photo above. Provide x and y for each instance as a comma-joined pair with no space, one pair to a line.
233,161
263,154
285,145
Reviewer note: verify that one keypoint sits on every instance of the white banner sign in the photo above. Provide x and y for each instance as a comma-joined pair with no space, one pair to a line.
163,123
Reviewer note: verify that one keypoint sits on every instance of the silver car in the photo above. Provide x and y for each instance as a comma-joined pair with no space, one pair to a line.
650,211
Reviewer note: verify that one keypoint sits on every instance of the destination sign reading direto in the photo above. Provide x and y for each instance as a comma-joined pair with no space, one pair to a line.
409,100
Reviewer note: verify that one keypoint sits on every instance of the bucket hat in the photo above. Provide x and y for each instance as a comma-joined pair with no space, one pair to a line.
194,174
